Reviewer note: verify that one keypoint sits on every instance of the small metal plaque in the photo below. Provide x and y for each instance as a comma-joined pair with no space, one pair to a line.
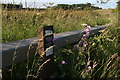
48,40
45,41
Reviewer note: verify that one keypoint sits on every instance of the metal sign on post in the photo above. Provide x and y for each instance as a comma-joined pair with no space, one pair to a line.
45,41
48,40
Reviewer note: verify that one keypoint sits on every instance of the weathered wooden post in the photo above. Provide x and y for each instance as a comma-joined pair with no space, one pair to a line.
45,50
40,49
45,41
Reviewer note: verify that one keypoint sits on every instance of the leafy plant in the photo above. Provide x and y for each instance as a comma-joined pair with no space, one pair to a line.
98,59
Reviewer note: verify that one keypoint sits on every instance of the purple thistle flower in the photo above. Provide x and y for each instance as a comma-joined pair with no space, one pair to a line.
75,46
85,40
86,71
89,67
63,62
84,35
81,43
87,30
84,45
88,27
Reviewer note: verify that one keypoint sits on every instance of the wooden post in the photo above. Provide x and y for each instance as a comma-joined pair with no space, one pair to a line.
45,41
40,48
45,50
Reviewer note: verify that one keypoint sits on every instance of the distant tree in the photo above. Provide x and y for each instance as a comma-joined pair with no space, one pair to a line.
118,8
12,6
88,4
75,6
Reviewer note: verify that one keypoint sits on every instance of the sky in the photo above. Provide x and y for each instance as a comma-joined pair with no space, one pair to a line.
39,3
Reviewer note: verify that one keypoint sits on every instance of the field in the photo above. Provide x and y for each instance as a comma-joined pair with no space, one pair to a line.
23,24
96,58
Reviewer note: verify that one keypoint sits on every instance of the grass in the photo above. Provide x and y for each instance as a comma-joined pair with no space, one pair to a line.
23,24
19,25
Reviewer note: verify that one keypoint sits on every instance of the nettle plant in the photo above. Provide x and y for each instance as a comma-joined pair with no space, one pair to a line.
93,57
83,54
99,54
75,61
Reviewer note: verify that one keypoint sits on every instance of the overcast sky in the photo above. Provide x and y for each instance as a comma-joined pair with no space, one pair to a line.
39,3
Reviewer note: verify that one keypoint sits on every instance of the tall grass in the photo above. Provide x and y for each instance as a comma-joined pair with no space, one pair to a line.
22,24
100,59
